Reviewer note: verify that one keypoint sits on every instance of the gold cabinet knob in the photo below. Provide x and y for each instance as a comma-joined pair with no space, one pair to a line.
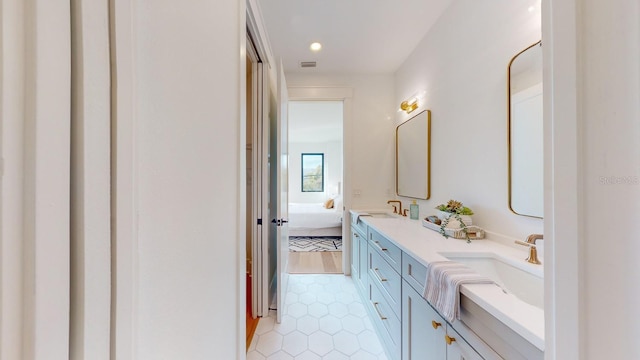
449,339
435,324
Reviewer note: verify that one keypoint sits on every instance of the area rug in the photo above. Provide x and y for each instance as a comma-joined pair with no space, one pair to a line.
315,243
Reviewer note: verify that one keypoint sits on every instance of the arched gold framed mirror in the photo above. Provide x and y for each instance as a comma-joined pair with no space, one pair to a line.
525,132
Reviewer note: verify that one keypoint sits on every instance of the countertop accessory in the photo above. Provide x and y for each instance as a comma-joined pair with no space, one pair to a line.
414,210
455,209
474,232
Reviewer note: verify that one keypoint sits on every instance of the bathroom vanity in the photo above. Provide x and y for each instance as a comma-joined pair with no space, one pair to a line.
389,255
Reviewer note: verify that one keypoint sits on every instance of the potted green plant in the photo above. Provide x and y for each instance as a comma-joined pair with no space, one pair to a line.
460,214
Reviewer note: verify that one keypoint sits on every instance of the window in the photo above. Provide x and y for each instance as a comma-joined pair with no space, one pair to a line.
312,172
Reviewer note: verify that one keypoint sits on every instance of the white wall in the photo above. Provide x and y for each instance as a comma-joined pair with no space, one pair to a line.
462,65
369,150
12,78
332,170
90,182
591,128
189,75
609,113
46,180
124,184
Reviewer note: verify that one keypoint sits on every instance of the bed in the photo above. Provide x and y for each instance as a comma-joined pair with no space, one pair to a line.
314,220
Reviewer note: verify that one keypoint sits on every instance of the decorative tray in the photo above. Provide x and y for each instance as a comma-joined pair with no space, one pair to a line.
474,232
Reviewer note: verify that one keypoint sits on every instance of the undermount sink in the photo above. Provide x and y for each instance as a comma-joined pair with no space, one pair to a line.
381,214
377,214
514,278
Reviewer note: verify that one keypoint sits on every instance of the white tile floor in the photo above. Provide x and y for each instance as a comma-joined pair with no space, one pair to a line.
324,318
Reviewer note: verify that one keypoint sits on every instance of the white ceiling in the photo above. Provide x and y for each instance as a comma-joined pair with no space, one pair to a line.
358,36
315,121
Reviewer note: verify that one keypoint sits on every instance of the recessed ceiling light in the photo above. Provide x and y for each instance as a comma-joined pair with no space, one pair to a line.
316,46
531,8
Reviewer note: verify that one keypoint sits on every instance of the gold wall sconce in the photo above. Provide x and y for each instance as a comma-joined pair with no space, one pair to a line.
413,102
409,105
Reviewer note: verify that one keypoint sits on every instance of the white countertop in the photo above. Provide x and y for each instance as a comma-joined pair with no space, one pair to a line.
425,245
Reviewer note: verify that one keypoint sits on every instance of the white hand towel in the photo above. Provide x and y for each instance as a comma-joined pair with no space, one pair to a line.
443,282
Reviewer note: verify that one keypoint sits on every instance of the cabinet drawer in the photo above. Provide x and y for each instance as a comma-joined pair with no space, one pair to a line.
390,252
414,273
388,326
388,280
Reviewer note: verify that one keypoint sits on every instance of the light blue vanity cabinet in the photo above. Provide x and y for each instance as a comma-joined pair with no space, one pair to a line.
355,254
386,248
385,291
413,272
387,278
423,330
391,283
458,348
426,335
359,257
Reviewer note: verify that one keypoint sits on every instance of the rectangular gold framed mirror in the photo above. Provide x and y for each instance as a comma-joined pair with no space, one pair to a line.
413,157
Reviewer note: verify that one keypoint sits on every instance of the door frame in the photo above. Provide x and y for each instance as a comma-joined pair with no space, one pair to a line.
257,75
279,190
256,31
344,94
562,170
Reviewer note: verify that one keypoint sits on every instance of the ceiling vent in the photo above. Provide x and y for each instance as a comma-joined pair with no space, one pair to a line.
307,64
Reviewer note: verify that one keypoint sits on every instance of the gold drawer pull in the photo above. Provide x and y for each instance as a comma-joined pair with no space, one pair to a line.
379,247
375,306
379,275
435,324
449,339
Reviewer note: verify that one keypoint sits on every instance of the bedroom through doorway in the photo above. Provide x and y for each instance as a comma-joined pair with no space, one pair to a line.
315,187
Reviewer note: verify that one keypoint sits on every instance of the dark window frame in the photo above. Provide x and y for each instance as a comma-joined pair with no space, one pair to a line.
302,174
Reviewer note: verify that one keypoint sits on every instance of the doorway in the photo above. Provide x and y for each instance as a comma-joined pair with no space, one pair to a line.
315,186
260,269
266,185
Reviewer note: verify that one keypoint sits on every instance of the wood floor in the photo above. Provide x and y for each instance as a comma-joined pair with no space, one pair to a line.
315,262
252,323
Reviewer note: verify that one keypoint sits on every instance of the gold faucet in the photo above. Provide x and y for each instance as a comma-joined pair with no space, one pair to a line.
531,243
396,210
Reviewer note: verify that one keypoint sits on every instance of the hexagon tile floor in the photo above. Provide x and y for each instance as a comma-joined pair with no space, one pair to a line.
323,318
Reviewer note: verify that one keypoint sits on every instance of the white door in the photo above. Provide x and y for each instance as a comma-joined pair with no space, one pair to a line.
260,185
281,166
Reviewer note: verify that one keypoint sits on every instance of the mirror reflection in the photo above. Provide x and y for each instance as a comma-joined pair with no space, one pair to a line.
413,158
525,133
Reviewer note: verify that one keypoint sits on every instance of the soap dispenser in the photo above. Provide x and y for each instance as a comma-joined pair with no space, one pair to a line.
414,210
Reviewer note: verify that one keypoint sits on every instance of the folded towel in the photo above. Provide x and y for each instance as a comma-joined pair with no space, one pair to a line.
443,282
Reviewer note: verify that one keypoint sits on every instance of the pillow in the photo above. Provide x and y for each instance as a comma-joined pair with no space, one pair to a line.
337,203
328,204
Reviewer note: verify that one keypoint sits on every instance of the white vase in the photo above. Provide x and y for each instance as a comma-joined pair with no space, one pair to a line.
454,223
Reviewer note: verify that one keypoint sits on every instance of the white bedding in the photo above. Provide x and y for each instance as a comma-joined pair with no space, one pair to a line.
313,216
